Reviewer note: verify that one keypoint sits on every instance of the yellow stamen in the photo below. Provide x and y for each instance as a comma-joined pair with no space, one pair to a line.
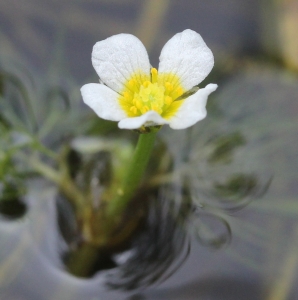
144,109
168,100
169,86
133,85
139,104
126,95
156,108
177,92
131,82
146,84
154,75
134,110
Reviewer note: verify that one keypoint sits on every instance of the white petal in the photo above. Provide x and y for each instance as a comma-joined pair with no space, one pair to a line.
187,56
103,101
193,108
150,118
116,58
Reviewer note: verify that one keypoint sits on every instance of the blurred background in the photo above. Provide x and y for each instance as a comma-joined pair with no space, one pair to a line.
245,151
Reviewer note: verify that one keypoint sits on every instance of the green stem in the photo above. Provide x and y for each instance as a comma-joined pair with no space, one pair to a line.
134,174
81,261
61,178
43,149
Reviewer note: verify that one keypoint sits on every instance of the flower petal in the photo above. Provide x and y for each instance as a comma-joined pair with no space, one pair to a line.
187,56
103,101
117,58
193,109
150,118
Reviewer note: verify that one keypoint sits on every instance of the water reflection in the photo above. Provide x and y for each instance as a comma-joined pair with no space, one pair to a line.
211,230
179,199
223,147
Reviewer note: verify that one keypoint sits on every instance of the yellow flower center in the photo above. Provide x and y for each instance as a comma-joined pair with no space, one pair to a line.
158,92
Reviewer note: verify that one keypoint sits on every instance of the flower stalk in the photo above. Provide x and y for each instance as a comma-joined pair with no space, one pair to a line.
134,175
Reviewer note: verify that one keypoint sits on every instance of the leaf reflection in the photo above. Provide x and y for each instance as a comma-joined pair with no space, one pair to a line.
160,248
20,108
224,147
239,190
211,230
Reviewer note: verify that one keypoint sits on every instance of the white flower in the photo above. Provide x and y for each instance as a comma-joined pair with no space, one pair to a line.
136,95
